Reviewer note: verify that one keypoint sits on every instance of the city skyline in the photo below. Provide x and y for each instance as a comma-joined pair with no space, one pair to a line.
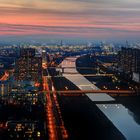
78,19
70,69
73,92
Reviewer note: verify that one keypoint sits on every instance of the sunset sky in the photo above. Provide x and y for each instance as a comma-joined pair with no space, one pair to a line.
97,19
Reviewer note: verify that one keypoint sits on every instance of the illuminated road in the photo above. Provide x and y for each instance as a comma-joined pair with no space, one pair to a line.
110,92
49,112
83,92
55,123
5,76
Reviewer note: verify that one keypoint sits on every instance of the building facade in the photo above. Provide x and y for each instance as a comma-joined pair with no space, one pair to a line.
129,62
28,66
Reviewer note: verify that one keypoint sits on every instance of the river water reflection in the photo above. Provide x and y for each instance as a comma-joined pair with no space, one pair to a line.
121,117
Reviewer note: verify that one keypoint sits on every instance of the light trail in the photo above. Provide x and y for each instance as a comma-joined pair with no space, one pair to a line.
52,132
61,122
5,76
55,123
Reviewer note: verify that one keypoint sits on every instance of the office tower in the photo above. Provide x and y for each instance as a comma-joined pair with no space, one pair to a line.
5,88
44,56
28,66
129,62
28,52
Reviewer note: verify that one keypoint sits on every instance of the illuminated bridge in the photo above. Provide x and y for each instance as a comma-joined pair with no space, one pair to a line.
83,92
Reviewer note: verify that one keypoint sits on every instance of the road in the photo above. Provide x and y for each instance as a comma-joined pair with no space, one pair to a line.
55,123
5,76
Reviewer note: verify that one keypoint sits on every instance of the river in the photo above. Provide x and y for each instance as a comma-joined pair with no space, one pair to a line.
118,114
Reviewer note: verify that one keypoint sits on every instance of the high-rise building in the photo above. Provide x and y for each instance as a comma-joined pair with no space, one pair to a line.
5,88
28,66
28,52
129,62
44,56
